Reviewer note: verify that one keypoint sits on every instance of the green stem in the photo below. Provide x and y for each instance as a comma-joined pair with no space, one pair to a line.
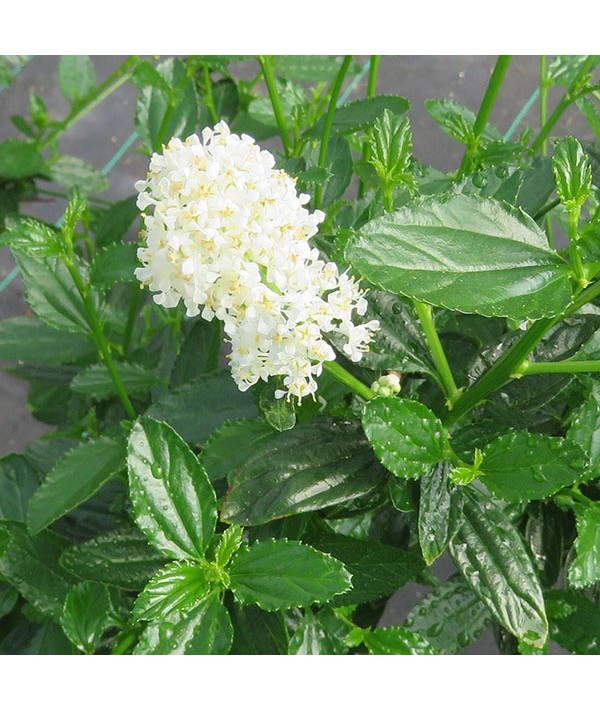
210,102
425,314
136,297
576,262
485,111
100,340
164,125
546,209
544,87
531,367
111,84
340,373
267,70
371,89
126,643
333,99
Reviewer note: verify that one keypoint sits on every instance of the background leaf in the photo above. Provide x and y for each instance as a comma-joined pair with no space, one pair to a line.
18,482
86,615
76,77
396,640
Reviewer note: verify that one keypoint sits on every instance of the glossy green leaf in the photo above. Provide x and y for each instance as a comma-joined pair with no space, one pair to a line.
574,621
440,512
450,617
549,533
390,149
572,172
8,598
31,565
280,574
31,237
96,381
358,115
316,464
114,264
520,466
492,557
29,339
177,587
197,408
122,558
76,77
203,629
112,224
466,254
51,293
585,430
72,172
20,159
278,412
200,352
318,634
406,436
377,569
173,500
256,631
397,640
86,615
585,568
75,478
18,482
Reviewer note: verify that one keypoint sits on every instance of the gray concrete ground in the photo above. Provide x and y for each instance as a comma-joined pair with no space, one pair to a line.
97,137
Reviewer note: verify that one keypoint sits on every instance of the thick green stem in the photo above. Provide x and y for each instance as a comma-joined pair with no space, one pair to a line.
576,262
99,339
546,209
333,99
267,70
544,87
485,111
531,367
208,95
340,373
437,351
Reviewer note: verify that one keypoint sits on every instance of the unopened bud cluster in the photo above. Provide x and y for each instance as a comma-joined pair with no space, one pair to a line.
228,234
387,385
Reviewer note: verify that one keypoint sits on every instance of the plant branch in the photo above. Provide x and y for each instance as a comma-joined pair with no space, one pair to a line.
340,373
267,70
531,367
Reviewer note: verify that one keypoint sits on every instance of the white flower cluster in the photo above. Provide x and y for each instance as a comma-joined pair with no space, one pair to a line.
228,234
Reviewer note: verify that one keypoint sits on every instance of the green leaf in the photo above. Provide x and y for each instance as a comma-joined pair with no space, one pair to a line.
319,463
406,436
31,565
112,224
278,412
122,558
96,381
72,172
520,466
440,511
564,68
199,353
203,629
397,640
29,638
456,120
29,339
390,149
20,159
358,115
591,113
146,74
585,568
177,587
492,557
76,78
18,482
75,478
257,631
173,500
318,634
86,615
311,68
229,543
51,293
195,409
466,254
377,569
450,617
574,621
114,264
572,172
8,599
549,534
585,430
281,574
31,237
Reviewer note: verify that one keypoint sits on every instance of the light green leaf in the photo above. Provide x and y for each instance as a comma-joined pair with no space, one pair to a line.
397,640
466,254
457,120
572,172
310,67
96,381
76,78
407,437
278,412
176,588
590,110
18,482
585,568
72,172
86,615
280,574
390,149
79,475
31,237
173,500
20,159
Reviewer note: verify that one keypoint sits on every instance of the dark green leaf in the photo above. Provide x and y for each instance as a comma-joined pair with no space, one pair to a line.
440,511
549,533
176,588
112,224
30,638
114,264
574,621
317,464
585,568
18,481
450,617
20,159
29,339
76,77
95,380
86,615
319,634
45,451
8,598
466,254
585,430
281,574
75,479
257,631
397,640
31,565
520,466
406,436
72,172
358,115
195,409
199,352
173,500
225,99
573,173
121,558
492,557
